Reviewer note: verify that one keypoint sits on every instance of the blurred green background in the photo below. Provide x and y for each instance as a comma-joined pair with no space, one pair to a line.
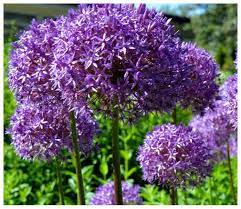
213,27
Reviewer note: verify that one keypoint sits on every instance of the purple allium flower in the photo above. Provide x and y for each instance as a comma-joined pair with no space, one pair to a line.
229,100
105,194
29,63
42,132
215,129
200,87
219,124
118,52
174,156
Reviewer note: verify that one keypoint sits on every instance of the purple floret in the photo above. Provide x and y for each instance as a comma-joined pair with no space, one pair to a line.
42,132
174,156
105,195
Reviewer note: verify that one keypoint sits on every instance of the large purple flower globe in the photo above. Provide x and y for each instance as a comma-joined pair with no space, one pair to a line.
118,54
105,195
42,132
174,156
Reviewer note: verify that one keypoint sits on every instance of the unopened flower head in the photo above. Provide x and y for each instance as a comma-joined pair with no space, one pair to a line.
105,194
174,156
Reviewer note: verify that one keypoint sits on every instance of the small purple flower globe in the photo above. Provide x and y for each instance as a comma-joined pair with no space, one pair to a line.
42,132
174,156
105,195
118,54
200,87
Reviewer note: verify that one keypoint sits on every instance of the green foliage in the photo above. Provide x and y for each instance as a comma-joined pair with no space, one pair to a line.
9,102
216,31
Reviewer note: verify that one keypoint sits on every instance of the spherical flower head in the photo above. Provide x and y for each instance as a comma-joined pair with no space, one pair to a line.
29,64
118,54
174,156
200,87
229,100
42,132
105,194
215,129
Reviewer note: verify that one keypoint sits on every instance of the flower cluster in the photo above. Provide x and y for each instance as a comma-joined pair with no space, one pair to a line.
174,156
40,101
119,54
111,54
219,124
200,87
104,195
42,132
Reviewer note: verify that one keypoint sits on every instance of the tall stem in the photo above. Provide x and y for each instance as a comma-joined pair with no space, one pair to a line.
81,193
173,200
116,155
175,196
210,191
59,179
230,173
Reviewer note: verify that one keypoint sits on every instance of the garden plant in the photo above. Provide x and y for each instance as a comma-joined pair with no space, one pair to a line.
112,92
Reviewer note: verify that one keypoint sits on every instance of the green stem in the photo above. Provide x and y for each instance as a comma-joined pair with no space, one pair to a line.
210,191
173,200
230,173
76,153
116,155
174,115
176,196
59,180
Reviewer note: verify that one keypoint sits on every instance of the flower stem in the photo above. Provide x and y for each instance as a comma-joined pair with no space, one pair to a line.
230,173
116,155
59,179
173,196
76,153
176,196
210,190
